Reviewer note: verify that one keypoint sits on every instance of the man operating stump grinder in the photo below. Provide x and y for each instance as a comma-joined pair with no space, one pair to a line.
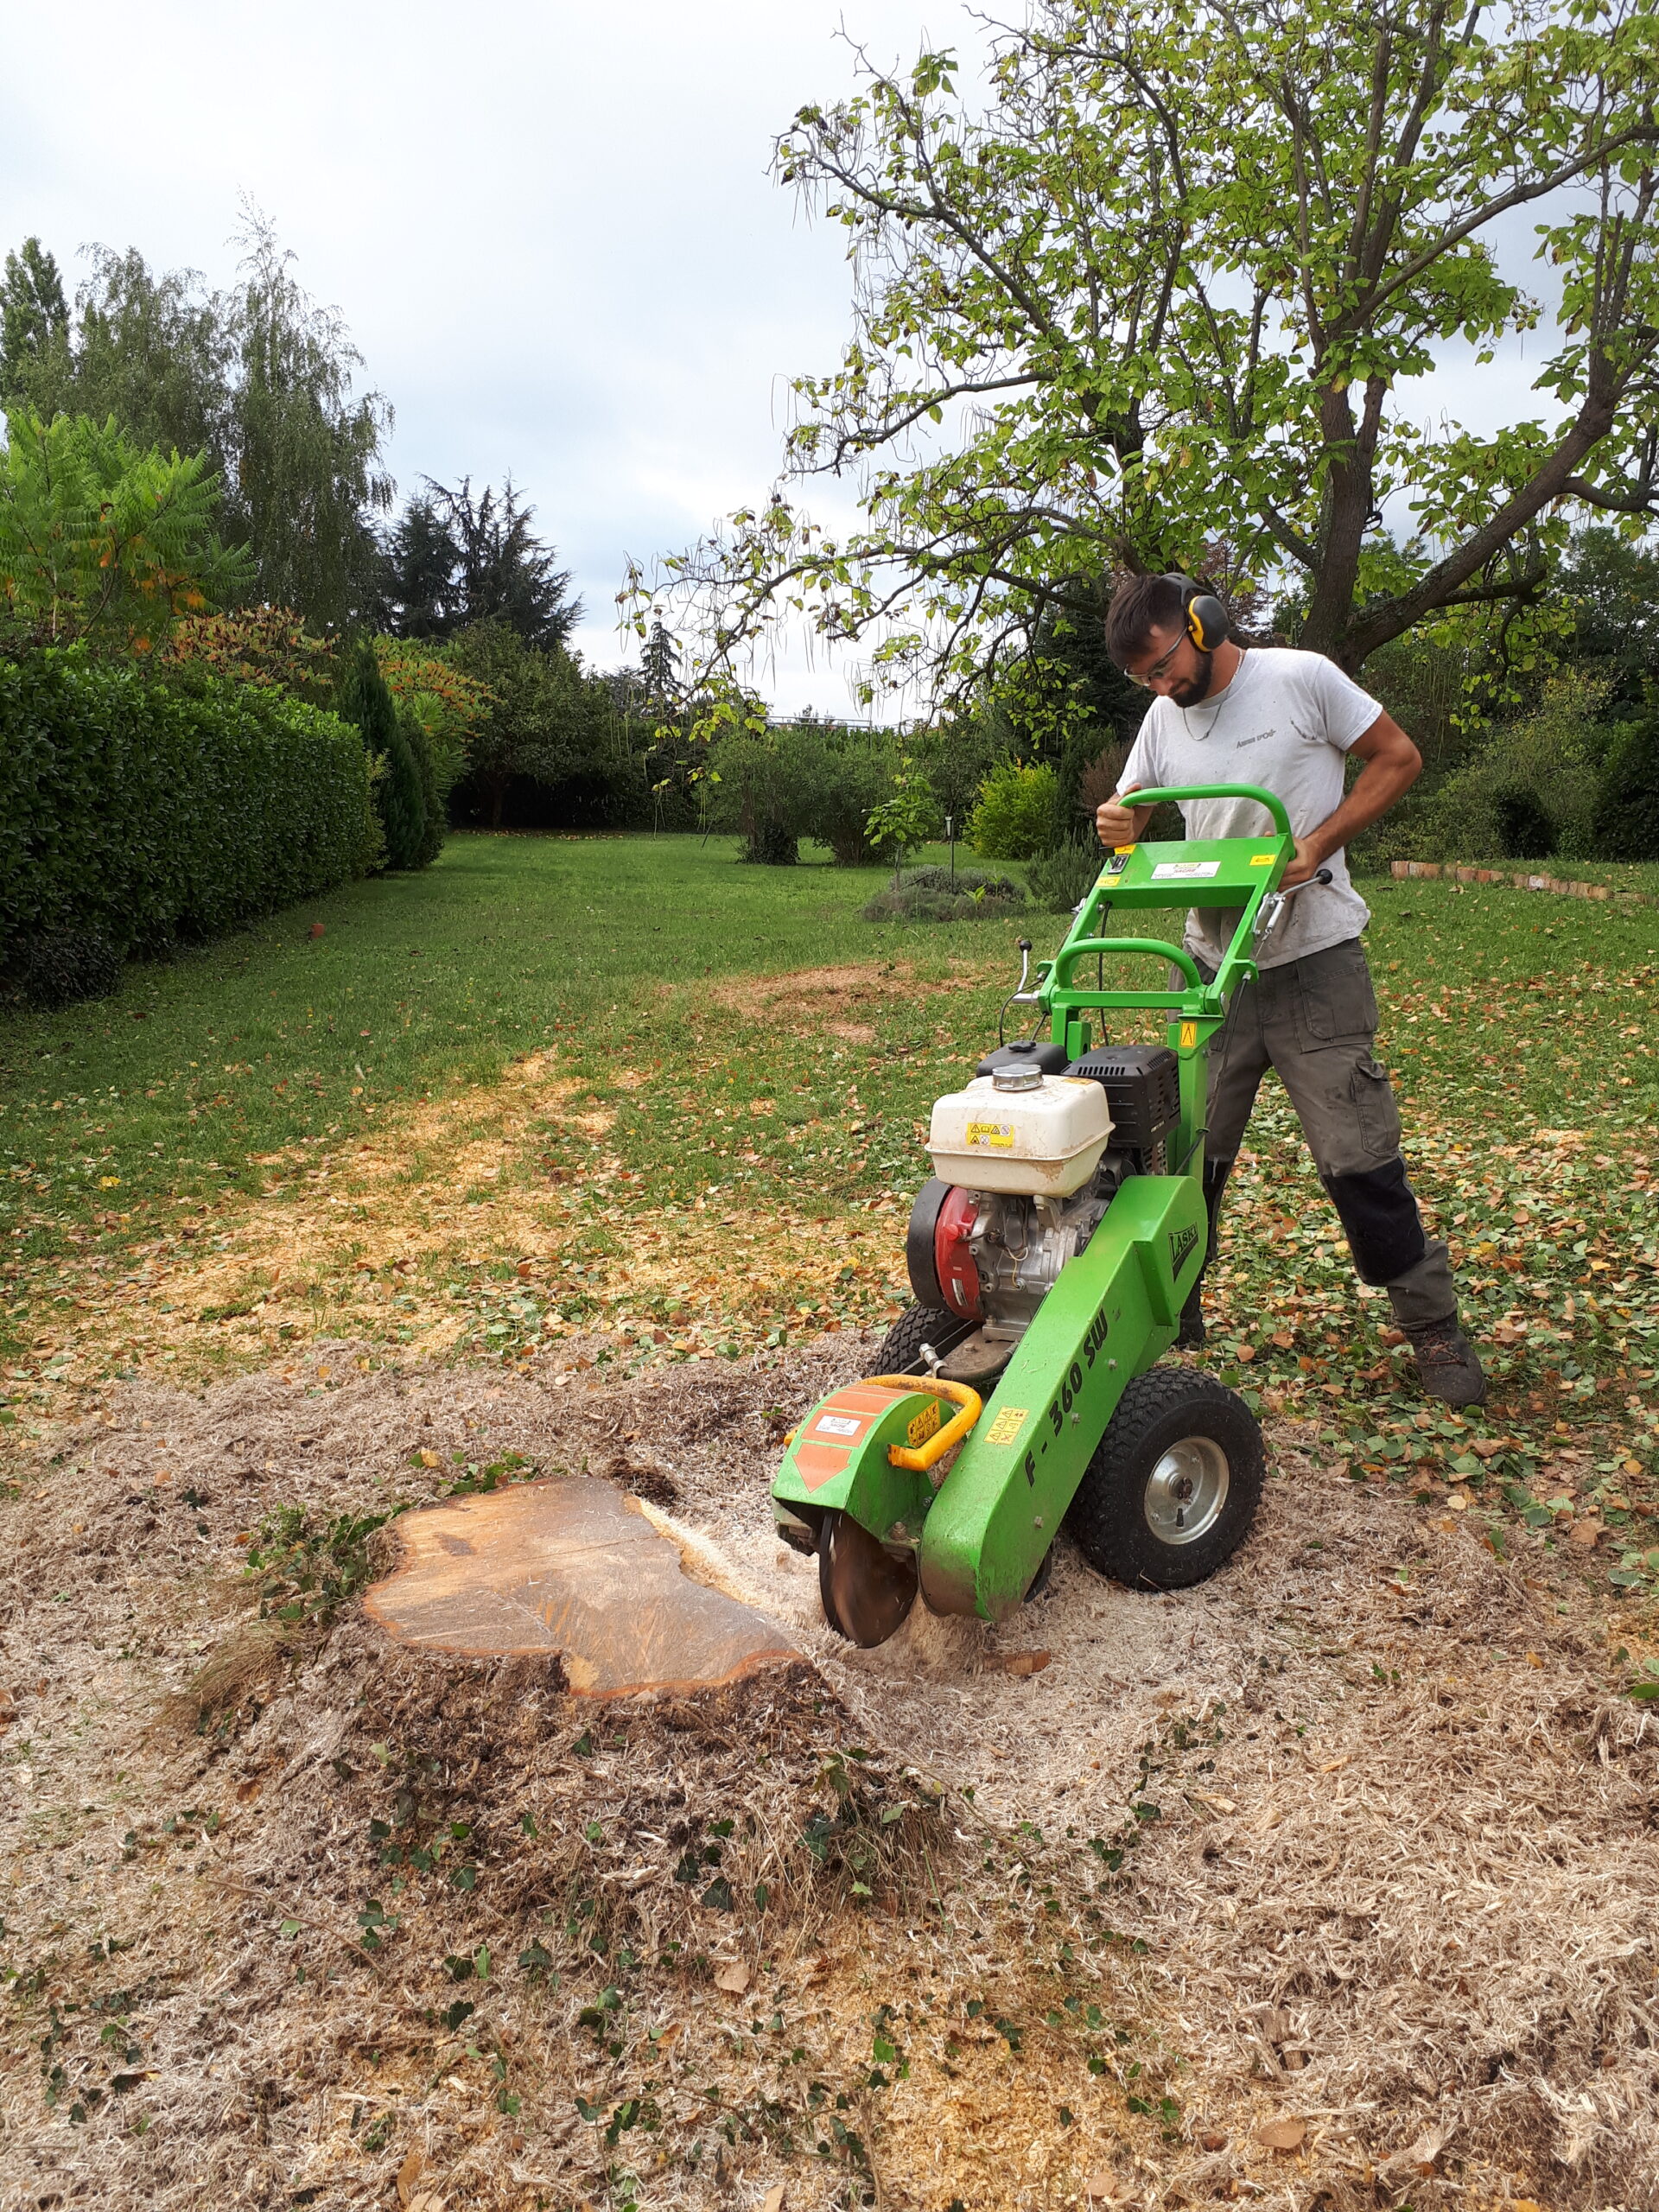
1285,722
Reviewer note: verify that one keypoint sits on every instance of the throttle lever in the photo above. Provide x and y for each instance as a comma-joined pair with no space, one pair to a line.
1270,919
1022,996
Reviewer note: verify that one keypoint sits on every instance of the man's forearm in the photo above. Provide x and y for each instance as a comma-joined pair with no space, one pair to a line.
1379,783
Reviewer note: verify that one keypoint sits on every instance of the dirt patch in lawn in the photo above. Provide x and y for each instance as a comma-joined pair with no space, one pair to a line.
827,995
402,1232
1330,1880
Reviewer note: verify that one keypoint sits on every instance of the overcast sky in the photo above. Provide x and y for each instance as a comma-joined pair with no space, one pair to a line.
551,229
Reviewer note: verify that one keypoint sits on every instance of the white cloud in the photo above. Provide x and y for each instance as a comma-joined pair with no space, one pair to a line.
550,228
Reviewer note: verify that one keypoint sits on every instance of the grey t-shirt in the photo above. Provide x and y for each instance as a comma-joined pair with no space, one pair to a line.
1284,723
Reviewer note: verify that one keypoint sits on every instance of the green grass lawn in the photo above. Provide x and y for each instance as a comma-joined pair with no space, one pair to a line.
416,983
1523,1032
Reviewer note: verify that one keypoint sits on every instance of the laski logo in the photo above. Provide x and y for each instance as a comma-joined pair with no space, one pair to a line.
1181,1242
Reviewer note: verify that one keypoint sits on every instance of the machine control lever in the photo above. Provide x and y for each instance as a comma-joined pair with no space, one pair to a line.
1022,996
1271,919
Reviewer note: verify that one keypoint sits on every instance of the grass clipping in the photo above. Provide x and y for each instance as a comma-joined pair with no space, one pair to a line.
1332,1879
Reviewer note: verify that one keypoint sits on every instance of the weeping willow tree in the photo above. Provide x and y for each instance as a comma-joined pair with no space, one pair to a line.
259,380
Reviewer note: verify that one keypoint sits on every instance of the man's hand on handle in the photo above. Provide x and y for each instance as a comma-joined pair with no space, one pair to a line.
1311,853
1117,824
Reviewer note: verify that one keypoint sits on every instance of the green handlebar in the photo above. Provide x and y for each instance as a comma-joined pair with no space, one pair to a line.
1275,806
1068,955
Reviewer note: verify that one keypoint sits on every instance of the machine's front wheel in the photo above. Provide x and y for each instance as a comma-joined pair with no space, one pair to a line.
1172,1488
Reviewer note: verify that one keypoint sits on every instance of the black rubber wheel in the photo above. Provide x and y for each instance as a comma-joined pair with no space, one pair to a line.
1173,1486
901,1348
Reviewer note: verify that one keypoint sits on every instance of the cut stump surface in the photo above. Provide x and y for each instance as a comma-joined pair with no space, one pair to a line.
572,1569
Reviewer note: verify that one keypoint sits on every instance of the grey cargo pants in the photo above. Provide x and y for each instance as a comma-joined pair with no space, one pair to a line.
1313,1021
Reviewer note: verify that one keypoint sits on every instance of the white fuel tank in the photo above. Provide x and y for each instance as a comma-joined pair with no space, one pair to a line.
1039,1136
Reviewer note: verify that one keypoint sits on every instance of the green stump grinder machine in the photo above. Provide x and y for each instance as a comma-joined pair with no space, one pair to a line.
1050,1254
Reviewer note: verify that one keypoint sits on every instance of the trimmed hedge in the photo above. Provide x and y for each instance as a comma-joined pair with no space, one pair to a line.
143,812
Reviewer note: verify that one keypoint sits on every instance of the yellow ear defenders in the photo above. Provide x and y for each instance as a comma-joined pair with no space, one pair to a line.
1205,615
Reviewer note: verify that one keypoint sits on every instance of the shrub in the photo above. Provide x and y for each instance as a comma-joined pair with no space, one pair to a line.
838,778
1015,817
747,786
1530,788
801,780
139,811
927,894
965,883
1058,880
1626,825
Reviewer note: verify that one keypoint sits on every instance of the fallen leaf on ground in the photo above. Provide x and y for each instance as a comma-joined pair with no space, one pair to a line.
408,2174
1103,2188
734,1977
1017,1662
1282,2134
1585,1534
1215,1804
774,2198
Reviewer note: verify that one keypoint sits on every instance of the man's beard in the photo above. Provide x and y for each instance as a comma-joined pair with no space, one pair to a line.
1192,688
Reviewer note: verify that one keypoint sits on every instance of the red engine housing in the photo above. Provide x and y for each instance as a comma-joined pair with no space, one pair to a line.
953,1262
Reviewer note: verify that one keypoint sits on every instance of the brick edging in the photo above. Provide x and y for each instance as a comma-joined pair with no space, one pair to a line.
1452,872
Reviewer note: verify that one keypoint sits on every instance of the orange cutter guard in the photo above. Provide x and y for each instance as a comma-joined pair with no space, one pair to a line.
971,1404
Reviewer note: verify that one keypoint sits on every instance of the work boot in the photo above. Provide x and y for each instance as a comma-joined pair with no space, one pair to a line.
1191,1333
1448,1366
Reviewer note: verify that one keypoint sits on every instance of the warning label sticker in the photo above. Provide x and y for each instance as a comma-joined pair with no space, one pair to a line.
837,1425
924,1425
999,1134
1183,871
1010,1419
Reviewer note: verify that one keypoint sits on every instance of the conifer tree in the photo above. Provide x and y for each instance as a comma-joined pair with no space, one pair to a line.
34,323
420,748
363,697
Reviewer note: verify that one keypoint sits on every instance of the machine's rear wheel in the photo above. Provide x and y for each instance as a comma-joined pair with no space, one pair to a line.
866,1592
901,1348
1172,1488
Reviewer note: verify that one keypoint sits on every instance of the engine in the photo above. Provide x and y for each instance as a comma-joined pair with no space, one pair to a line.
1029,1156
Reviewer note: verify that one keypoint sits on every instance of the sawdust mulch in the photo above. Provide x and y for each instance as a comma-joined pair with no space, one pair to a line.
1329,1882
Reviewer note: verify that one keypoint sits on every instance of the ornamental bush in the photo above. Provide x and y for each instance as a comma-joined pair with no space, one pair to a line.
1627,805
1014,818
140,812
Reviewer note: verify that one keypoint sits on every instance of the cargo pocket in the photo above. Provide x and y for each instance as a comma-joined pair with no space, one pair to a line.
1375,1110
1335,1001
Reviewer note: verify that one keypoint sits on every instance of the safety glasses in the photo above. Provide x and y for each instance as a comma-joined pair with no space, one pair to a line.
1148,677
